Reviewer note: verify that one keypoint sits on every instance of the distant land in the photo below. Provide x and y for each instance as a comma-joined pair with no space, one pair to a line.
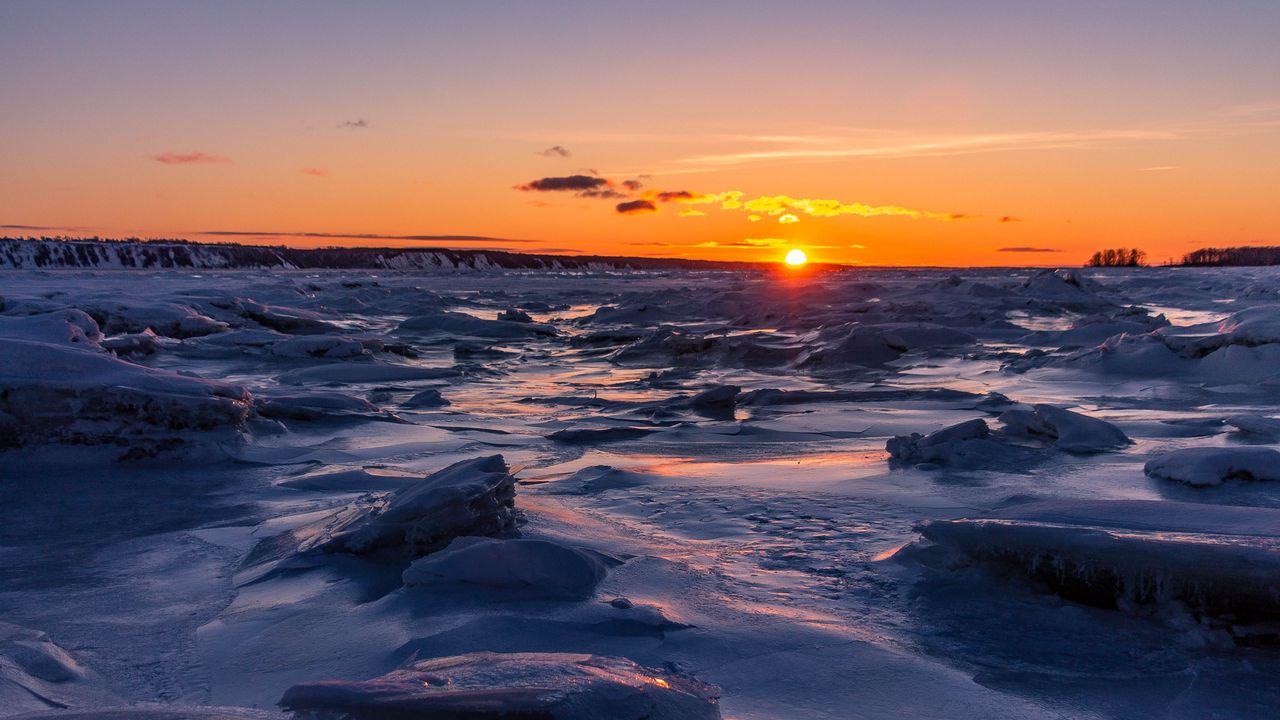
134,253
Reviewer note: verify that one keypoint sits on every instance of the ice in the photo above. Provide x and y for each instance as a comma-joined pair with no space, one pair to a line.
79,395
1222,560
351,373
163,318
429,398
36,674
63,327
456,323
320,346
1255,425
471,497
1207,466
530,568
714,440
1066,430
972,444
480,686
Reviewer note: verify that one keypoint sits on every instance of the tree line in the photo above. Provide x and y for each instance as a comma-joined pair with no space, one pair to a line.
1118,257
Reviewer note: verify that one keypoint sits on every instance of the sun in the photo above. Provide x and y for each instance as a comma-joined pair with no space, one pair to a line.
796,257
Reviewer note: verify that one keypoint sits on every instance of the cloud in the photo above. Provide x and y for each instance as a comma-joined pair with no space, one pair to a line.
691,213
1010,219
674,196
191,158
633,185
888,144
315,172
754,218
1160,168
1027,250
359,124
568,183
556,151
635,207
788,219
605,194
360,236
42,228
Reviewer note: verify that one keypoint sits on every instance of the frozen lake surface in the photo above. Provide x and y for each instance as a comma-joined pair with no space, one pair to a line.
860,494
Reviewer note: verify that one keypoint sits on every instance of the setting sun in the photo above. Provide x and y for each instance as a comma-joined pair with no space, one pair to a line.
796,257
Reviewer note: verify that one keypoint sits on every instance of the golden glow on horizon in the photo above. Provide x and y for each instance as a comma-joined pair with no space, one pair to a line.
796,257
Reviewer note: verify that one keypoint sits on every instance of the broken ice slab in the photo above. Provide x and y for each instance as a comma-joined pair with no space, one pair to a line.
1220,560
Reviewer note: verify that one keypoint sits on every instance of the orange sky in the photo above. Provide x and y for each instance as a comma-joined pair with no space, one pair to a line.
917,135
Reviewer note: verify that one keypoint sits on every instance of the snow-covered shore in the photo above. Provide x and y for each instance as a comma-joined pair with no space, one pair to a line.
862,494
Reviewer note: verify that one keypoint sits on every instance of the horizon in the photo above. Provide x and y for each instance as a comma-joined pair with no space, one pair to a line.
904,137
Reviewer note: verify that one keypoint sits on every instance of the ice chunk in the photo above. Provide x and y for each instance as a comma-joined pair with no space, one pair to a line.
966,445
1222,560
598,478
167,319
64,327
428,398
1205,466
143,343
73,394
1066,430
586,436
492,686
532,568
1257,425
472,497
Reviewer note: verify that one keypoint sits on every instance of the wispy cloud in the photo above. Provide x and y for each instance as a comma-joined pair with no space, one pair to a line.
1160,168
359,124
191,158
315,172
1010,219
899,145
1027,250
40,228
556,151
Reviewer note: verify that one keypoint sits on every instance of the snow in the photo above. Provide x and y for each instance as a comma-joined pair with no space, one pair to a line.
717,475
556,686
1203,467
535,568
74,394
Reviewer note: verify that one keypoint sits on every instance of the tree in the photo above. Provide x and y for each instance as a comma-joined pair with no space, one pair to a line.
1118,257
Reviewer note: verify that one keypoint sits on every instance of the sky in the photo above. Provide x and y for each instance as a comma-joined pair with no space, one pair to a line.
901,133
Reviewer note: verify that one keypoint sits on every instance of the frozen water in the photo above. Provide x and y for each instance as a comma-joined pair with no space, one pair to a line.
219,485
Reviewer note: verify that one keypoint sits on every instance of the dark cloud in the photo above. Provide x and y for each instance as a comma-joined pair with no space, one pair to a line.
190,158
605,194
360,236
674,195
633,185
1010,218
1027,250
634,207
556,151
353,124
568,183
